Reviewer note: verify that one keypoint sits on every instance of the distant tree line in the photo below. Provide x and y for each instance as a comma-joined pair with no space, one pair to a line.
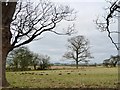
112,61
24,59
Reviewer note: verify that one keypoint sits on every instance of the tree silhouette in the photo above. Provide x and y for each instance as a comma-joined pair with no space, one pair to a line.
113,12
78,49
23,22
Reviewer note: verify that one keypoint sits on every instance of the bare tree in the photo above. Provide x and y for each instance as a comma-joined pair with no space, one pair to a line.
115,60
112,13
23,22
35,60
112,61
44,62
78,49
29,22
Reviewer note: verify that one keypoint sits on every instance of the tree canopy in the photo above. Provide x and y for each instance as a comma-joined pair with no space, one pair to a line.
78,49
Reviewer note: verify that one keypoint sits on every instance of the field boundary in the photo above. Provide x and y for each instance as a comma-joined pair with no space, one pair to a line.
59,89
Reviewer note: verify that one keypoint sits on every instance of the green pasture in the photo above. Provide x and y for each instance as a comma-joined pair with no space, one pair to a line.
90,77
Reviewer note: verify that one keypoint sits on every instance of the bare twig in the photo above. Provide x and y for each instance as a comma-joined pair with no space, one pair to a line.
30,21
105,26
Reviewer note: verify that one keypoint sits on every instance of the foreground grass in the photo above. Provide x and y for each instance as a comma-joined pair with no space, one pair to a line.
71,78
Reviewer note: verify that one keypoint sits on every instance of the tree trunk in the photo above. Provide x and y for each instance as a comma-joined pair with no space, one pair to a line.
77,64
114,64
3,73
4,50
7,11
34,66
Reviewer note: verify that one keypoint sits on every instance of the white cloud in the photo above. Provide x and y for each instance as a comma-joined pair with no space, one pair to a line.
54,45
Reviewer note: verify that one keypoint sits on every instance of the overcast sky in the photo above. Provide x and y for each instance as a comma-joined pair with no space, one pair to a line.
87,11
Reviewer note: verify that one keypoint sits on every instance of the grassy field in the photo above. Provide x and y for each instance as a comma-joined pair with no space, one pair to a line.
91,77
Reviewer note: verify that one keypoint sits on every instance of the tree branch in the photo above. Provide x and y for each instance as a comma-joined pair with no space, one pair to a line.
105,26
30,21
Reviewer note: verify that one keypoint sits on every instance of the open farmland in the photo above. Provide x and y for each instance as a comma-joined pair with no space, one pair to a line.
90,77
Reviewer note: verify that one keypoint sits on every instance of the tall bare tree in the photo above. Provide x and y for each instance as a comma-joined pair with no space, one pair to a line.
78,49
23,22
113,12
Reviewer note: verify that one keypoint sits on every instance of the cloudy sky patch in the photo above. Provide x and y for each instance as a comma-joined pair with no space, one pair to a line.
87,11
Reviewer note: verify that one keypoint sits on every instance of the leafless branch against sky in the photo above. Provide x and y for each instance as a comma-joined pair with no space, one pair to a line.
113,13
87,11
